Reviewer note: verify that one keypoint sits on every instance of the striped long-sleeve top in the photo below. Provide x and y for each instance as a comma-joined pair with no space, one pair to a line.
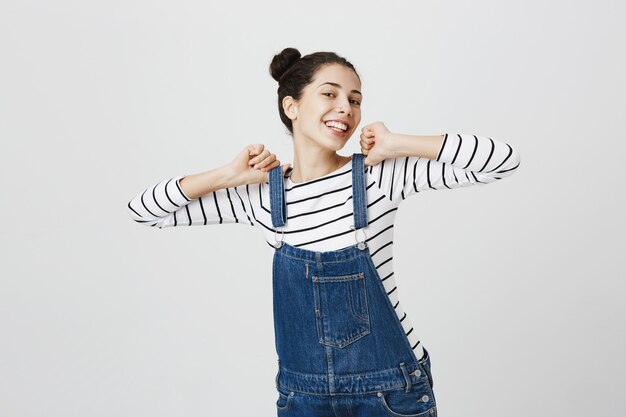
319,212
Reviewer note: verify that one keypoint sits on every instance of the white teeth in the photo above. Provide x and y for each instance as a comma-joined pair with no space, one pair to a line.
338,125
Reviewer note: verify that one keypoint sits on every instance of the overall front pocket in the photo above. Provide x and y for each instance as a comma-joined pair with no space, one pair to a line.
419,402
283,402
341,309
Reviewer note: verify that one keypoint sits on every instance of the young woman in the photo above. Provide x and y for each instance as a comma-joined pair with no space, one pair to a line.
345,346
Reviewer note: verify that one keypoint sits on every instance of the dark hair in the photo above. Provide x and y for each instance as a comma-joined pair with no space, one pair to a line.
294,72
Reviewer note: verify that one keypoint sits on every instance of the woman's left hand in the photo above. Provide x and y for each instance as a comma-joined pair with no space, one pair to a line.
376,143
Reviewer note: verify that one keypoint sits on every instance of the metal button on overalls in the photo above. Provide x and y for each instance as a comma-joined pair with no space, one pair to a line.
341,348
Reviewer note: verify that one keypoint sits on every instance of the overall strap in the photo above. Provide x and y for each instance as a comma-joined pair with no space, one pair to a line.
359,192
278,206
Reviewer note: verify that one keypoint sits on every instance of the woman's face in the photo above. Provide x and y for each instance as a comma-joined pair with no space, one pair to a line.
333,95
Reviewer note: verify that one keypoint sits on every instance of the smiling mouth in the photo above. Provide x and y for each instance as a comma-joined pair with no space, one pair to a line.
337,126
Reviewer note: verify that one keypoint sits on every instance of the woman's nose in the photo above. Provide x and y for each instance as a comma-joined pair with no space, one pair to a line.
343,108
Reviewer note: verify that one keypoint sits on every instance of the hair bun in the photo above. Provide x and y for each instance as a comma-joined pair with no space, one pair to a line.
283,61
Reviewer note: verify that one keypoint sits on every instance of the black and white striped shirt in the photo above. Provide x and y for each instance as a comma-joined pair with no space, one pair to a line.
319,212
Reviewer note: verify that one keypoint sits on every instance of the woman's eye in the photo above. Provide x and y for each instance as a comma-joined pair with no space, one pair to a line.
353,101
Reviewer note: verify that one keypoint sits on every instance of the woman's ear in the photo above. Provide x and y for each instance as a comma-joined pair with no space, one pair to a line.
290,107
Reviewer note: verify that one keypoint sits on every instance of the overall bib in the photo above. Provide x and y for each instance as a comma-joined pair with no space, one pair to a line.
342,351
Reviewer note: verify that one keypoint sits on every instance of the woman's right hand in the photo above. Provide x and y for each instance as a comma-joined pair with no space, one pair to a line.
253,163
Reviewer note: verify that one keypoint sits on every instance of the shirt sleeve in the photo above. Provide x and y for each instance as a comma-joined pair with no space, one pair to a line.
164,204
463,160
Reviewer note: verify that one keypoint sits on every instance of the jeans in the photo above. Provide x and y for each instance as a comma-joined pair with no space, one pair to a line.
394,402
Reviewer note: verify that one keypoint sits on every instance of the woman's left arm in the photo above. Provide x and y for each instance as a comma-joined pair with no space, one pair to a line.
406,164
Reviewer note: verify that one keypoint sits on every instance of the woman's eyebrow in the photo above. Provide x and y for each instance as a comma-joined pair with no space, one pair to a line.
338,86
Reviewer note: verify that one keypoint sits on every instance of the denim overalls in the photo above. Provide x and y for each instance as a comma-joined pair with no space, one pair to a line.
342,351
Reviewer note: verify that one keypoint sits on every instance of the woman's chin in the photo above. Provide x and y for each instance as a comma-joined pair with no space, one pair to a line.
338,144
331,142
339,139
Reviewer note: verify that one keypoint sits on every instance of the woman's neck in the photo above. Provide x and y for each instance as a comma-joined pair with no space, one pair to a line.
309,164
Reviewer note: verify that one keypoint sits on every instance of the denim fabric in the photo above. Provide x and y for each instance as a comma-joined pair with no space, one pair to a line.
342,351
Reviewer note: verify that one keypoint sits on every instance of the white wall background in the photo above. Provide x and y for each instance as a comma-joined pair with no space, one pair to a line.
516,288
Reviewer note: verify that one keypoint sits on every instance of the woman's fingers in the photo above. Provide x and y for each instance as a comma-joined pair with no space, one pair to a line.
266,175
366,139
271,166
255,148
259,157
285,168
262,159
270,159
367,131
366,143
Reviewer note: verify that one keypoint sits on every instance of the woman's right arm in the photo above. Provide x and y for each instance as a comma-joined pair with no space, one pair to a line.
211,197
